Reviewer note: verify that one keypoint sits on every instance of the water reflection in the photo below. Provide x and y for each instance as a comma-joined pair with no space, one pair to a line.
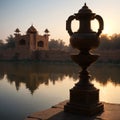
106,73
35,74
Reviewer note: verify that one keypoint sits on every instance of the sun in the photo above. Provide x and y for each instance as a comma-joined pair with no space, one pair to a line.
108,27
107,30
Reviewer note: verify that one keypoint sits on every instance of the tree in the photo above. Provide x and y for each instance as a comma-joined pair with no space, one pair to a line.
115,41
110,42
56,44
104,42
2,44
10,42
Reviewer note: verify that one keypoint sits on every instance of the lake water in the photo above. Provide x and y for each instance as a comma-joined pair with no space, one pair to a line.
31,87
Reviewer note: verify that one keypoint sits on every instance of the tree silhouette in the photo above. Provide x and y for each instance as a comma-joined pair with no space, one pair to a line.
110,42
56,44
10,42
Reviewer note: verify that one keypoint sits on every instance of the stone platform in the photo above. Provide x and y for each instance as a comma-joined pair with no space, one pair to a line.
111,112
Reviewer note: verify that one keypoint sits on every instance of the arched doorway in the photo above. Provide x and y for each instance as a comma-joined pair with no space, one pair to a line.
40,44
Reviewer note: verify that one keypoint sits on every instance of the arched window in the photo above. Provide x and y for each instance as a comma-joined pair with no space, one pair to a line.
22,42
40,44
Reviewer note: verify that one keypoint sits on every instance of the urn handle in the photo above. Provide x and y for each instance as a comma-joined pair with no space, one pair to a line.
101,24
68,24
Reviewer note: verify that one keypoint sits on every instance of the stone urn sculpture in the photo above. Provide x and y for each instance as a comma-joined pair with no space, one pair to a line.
84,97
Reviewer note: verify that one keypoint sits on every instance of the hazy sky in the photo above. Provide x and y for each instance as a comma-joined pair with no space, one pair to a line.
52,14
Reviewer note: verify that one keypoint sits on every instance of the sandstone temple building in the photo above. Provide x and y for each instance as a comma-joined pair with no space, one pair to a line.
32,40
32,46
28,46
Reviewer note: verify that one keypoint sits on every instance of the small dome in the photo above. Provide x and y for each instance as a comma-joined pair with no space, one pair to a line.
32,29
46,31
17,30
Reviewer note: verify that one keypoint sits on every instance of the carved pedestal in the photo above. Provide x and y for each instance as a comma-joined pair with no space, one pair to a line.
84,97
84,101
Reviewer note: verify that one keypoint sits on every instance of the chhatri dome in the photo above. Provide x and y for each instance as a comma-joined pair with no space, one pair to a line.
17,30
32,29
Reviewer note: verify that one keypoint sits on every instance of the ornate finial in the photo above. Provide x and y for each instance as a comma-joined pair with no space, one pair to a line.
85,4
17,30
32,24
46,31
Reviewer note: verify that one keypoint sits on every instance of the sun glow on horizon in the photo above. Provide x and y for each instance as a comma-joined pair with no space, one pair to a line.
108,27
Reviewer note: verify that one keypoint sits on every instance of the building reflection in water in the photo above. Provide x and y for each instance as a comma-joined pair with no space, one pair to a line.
35,74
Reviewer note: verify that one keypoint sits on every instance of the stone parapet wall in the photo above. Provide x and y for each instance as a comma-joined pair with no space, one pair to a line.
11,54
53,55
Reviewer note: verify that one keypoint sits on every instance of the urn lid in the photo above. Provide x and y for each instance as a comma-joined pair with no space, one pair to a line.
85,11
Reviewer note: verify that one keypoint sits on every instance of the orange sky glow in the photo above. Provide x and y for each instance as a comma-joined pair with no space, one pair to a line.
52,14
